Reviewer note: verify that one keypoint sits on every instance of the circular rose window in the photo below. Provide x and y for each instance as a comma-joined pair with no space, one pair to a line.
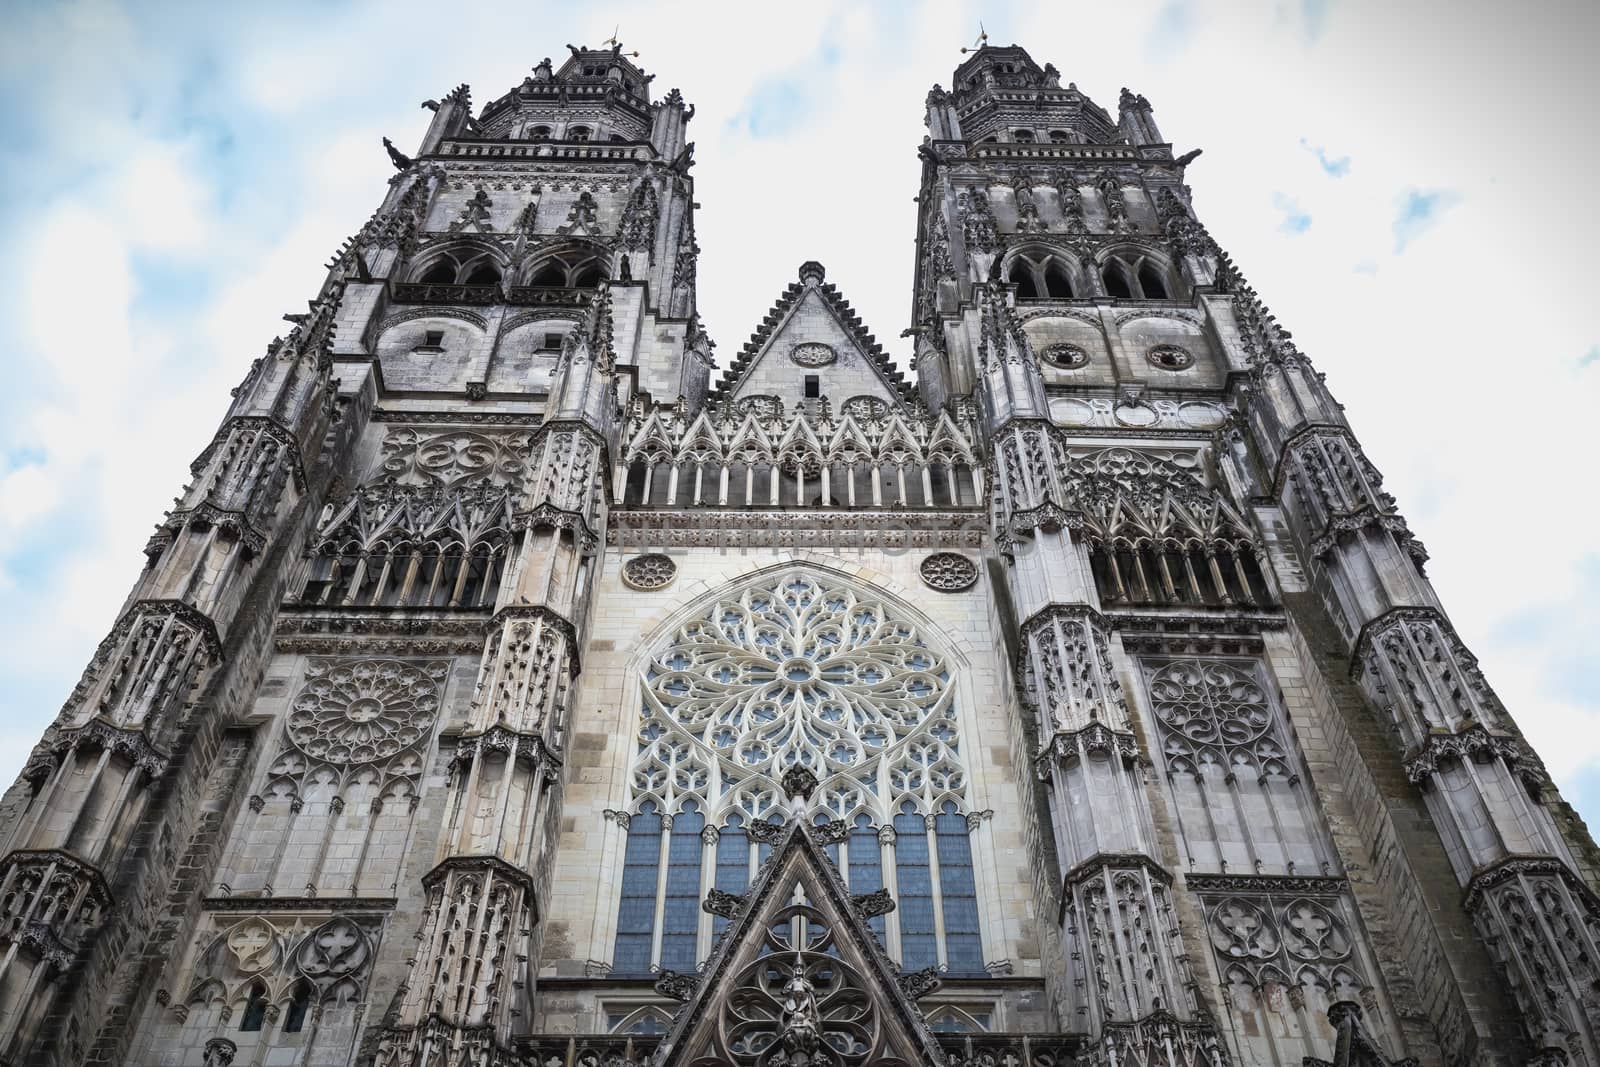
364,711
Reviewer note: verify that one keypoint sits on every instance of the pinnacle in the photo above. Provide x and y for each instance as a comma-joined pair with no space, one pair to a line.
812,272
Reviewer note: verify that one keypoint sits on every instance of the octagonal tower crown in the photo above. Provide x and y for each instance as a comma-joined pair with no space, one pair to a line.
1000,95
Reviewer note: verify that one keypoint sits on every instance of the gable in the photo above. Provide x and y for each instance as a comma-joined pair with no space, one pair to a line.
798,979
812,330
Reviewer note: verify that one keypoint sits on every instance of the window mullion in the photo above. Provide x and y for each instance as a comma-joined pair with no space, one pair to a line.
663,858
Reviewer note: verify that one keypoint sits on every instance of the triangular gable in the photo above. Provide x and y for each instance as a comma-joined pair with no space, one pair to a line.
812,312
793,1002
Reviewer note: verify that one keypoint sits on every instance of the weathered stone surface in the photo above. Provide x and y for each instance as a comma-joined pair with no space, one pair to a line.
474,686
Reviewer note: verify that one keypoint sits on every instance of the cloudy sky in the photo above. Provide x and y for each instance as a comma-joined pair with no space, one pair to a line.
1408,185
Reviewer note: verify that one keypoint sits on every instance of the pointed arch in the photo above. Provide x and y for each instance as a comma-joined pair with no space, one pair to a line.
459,262
572,264
792,668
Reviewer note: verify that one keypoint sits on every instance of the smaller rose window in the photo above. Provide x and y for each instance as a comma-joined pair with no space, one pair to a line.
813,354
949,572
364,711
1066,357
650,571
1171,357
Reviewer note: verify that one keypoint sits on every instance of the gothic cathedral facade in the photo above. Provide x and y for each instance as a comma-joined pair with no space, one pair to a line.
512,685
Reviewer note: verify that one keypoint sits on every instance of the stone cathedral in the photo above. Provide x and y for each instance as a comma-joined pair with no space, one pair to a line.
516,683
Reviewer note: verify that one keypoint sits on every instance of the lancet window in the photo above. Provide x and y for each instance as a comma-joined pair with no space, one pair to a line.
1159,536
1136,278
1040,277
798,672
467,266
576,268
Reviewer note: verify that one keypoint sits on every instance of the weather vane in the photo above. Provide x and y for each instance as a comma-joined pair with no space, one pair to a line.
617,44
983,39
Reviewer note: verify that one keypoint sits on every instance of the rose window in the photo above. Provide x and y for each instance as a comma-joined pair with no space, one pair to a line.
799,673
1211,703
364,711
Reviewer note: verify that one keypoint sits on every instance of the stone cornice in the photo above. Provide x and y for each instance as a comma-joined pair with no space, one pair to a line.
1266,884
1065,746
494,865
1101,862
514,745
399,631
1474,740
311,904
464,418
1498,873
129,742
799,527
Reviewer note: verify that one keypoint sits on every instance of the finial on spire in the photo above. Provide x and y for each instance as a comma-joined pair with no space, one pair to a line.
812,271
983,39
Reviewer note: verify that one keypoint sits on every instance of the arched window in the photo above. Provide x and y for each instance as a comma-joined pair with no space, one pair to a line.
1116,280
681,902
733,861
918,945
255,1009
1022,278
462,266
958,887
1022,136
573,268
294,1020
1038,275
588,277
550,276
1150,281
483,273
1057,283
443,272
637,918
797,670
539,133
865,869
1060,137
577,133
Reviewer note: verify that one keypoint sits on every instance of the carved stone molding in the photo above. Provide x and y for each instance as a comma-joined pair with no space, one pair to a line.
464,418
1265,884
414,633
808,528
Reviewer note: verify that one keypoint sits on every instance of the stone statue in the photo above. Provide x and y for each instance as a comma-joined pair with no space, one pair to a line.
802,1022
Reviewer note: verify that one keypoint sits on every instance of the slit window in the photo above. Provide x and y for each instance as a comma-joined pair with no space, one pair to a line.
812,386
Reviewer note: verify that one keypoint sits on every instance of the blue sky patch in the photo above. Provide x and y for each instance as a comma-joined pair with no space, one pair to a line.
1418,212
1295,218
1331,166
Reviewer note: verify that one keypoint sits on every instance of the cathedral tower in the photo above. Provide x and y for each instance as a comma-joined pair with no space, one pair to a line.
507,688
